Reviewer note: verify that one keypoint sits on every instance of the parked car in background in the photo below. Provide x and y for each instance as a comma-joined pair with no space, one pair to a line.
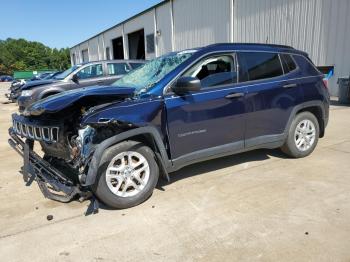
16,85
176,110
6,78
82,75
40,76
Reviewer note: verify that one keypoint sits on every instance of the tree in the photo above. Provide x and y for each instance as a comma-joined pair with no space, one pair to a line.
20,54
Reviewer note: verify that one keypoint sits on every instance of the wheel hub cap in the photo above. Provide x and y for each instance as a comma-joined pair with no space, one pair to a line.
127,174
305,134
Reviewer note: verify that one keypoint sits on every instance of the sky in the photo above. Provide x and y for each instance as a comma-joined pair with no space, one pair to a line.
64,23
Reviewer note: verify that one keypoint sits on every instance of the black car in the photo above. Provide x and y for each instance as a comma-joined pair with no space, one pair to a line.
81,75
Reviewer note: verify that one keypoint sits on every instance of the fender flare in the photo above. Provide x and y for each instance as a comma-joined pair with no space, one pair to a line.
162,156
313,103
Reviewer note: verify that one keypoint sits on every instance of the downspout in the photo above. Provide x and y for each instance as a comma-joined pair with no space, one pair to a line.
155,33
98,48
172,26
104,55
231,21
124,44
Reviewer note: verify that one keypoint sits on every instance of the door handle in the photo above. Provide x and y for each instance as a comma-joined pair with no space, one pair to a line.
289,86
100,82
234,95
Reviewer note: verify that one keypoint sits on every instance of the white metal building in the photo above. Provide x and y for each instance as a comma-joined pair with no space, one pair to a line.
319,27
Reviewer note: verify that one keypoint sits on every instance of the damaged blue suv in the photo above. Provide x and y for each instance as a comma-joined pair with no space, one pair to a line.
114,142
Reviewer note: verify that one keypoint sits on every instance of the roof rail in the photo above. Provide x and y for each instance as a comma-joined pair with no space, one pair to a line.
255,44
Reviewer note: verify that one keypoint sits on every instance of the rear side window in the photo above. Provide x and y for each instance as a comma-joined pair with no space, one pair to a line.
288,63
260,65
117,68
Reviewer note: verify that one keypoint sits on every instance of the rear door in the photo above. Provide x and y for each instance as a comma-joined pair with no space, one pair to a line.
90,75
212,119
272,93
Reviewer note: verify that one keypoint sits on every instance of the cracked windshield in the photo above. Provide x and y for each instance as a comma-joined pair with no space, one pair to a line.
151,73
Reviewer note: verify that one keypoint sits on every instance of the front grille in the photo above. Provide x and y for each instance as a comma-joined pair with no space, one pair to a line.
41,133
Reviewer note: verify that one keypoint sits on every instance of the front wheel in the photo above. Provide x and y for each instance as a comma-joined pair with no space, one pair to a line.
127,175
302,136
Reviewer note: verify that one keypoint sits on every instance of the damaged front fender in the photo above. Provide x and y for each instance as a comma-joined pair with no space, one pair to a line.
138,113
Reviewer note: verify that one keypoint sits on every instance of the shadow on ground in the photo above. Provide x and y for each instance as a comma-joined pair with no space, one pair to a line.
220,163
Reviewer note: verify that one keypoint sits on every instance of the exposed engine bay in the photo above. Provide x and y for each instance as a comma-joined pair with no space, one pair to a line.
67,145
61,136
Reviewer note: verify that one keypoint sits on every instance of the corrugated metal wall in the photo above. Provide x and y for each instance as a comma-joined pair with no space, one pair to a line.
319,27
163,18
93,49
200,22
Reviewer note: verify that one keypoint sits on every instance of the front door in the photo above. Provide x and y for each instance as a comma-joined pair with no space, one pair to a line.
211,120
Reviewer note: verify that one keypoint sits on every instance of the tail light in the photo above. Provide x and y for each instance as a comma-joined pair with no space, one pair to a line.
325,82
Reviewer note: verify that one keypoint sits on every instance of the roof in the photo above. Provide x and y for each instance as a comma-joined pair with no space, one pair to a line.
123,22
252,46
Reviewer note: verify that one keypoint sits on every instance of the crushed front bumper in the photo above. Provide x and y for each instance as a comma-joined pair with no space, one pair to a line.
52,183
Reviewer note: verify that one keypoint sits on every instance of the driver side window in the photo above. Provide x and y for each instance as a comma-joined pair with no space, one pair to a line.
90,72
214,71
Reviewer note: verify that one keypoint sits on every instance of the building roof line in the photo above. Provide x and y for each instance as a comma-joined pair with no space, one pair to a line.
123,22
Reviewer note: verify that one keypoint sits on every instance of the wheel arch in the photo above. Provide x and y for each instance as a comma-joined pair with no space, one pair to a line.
318,113
314,107
147,135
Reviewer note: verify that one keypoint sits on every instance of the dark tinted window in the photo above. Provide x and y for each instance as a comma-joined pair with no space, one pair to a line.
117,68
288,63
214,71
260,65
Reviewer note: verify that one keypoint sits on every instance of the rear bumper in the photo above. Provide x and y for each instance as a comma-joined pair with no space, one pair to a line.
52,183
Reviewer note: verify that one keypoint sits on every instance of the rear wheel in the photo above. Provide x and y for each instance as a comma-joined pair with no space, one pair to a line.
127,175
302,136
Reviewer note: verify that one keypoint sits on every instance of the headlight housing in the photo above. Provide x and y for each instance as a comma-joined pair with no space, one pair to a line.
27,93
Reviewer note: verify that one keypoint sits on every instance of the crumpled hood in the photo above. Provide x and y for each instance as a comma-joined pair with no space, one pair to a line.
31,84
58,102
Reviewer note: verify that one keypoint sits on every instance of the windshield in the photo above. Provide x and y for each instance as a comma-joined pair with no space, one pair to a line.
64,74
152,72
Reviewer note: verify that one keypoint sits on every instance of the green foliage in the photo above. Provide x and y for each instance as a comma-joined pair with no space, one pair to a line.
20,54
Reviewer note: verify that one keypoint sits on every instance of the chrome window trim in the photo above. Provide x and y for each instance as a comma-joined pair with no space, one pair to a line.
167,86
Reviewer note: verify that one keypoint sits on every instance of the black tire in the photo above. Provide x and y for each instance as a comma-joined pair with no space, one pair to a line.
290,148
101,188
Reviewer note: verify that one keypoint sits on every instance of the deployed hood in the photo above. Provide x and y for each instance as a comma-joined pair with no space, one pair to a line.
31,84
55,103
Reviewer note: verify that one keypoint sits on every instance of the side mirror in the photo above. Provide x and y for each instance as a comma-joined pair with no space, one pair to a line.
187,84
75,78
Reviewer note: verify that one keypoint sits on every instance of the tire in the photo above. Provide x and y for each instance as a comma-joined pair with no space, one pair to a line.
291,147
115,162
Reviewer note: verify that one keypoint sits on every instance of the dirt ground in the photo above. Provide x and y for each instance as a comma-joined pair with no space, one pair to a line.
256,206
